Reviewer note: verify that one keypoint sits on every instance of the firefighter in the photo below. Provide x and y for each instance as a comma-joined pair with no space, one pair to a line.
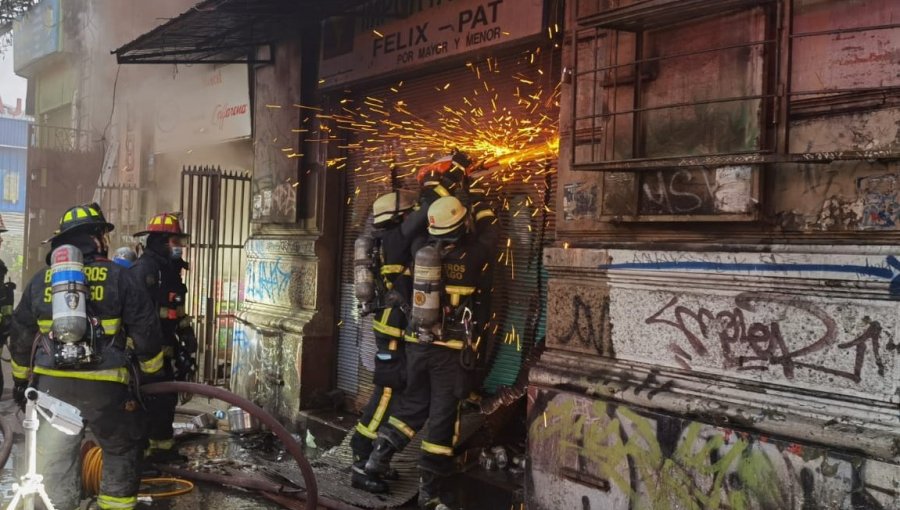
443,337
386,278
7,294
159,270
91,371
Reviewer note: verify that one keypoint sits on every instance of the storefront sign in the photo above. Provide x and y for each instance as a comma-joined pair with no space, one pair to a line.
203,105
453,28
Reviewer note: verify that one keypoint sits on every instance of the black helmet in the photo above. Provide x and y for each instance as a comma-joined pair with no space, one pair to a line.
82,217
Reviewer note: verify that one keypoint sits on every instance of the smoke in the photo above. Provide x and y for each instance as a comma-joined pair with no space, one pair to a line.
150,121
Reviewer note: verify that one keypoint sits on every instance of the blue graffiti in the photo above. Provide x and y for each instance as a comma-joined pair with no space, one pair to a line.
886,273
267,281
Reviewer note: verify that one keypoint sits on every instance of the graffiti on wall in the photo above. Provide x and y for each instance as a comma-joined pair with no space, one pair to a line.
758,345
729,313
267,281
880,206
869,202
642,461
282,282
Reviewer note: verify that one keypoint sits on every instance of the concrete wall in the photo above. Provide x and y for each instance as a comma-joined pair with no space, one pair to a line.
287,320
718,379
700,359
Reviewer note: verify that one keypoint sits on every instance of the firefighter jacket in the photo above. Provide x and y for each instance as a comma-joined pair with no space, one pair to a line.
125,325
394,267
466,269
161,277
6,304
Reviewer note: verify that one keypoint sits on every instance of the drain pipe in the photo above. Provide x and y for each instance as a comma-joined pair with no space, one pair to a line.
309,478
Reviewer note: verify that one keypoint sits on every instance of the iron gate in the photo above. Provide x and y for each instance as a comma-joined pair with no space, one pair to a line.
122,206
216,208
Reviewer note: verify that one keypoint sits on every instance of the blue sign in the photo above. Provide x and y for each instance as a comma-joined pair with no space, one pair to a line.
37,34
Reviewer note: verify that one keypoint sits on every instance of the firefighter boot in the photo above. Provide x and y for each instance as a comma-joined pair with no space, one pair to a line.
379,463
430,492
361,480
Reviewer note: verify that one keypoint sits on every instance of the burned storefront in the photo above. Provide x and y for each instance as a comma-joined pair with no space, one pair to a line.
474,76
722,315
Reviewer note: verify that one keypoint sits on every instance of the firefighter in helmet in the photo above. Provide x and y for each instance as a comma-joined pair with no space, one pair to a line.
447,322
7,294
384,286
89,364
159,271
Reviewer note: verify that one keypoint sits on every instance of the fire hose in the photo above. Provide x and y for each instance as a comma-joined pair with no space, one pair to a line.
294,449
310,495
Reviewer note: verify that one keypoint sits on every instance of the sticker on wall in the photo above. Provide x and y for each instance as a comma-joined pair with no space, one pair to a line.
579,201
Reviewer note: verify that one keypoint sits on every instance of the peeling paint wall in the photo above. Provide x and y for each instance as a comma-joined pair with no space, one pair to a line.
593,454
718,379
284,331
724,343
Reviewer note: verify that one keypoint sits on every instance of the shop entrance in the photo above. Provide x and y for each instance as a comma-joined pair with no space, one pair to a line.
216,209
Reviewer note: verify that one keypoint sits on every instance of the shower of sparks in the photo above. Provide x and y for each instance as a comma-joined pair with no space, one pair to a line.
513,135
509,136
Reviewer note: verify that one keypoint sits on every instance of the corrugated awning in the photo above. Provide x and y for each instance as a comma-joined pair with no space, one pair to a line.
227,31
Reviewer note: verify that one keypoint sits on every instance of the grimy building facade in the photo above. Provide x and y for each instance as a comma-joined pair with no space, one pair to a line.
695,287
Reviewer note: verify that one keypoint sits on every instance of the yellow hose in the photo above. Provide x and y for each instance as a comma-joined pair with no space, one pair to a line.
92,466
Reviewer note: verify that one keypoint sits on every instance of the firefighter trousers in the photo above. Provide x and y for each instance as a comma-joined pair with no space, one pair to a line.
161,411
118,431
433,375
389,379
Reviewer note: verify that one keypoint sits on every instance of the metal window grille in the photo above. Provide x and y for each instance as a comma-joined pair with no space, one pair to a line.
630,87
615,62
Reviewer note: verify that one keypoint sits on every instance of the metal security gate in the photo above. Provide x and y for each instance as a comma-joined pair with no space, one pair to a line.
122,206
216,208
523,200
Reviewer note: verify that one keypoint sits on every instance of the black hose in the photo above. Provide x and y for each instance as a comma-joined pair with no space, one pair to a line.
309,478
6,449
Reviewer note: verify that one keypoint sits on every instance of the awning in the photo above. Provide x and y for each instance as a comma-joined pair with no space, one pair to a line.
228,31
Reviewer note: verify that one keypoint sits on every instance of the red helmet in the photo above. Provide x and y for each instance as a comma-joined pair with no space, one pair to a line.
454,166
165,223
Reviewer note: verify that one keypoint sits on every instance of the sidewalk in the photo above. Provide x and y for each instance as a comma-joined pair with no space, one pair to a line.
476,489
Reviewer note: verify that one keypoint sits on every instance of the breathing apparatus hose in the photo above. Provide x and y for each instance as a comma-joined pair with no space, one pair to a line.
311,495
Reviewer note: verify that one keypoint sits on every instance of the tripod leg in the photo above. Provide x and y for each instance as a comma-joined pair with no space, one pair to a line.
48,505
15,500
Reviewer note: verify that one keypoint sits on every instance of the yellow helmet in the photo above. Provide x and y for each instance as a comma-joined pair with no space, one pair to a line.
388,206
445,216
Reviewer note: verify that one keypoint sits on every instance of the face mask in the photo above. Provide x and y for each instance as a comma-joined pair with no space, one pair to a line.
176,252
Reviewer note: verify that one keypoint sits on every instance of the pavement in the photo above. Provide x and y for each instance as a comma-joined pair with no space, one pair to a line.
219,451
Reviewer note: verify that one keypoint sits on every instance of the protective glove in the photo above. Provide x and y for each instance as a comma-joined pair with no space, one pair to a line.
185,354
187,339
19,387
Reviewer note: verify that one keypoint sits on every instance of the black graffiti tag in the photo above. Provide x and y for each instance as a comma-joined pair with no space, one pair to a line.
765,341
583,316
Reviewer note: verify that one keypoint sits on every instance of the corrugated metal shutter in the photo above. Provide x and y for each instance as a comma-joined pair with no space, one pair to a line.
520,293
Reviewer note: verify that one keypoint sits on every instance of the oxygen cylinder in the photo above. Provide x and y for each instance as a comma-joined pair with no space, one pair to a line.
426,299
363,279
69,287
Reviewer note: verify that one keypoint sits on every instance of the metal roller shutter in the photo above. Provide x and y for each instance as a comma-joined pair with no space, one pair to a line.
518,84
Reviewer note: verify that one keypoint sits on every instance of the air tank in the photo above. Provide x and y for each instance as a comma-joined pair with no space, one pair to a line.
363,279
426,299
69,287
